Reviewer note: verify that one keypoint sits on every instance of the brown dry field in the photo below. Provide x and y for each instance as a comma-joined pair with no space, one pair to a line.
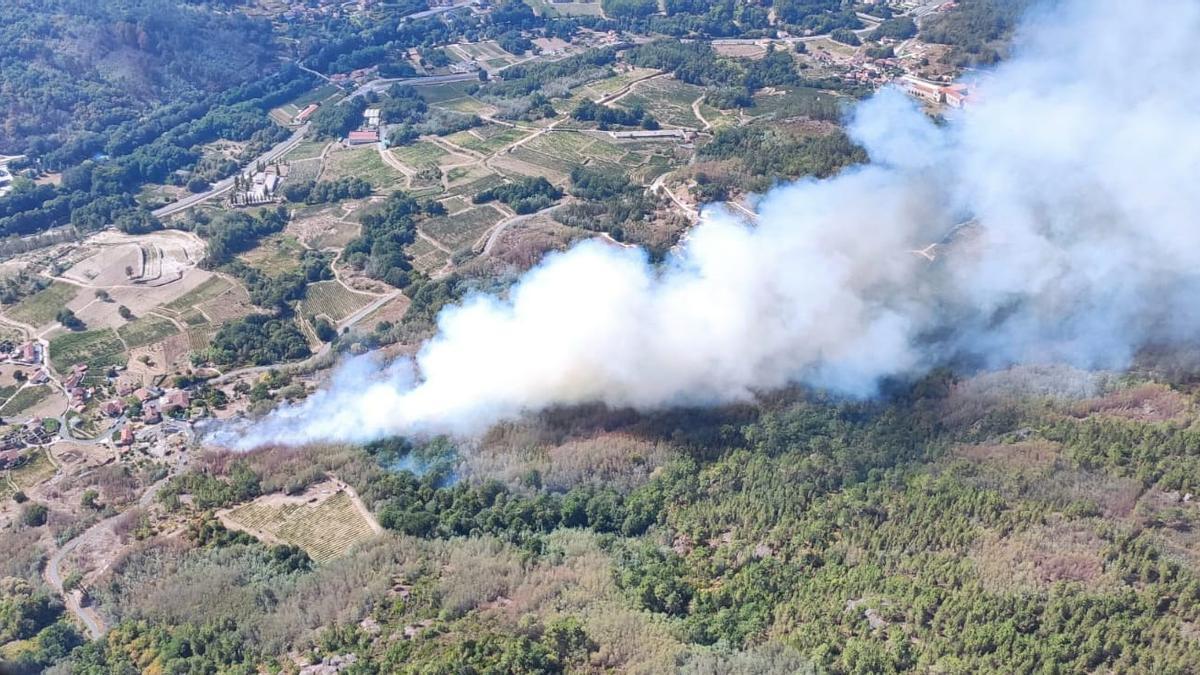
524,244
106,266
510,164
8,369
741,51
1037,453
325,229
51,406
393,311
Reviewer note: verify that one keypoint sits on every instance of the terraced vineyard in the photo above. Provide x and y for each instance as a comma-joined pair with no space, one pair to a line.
97,348
41,307
209,289
146,330
324,530
462,229
334,300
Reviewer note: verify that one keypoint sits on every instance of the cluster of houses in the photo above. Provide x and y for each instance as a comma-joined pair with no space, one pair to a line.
359,76
259,186
26,353
953,95
32,432
369,132
154,403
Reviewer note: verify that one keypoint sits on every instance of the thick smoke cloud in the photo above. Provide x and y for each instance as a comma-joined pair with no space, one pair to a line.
1075,168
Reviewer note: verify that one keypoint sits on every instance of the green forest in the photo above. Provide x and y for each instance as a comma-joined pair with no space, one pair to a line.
958,524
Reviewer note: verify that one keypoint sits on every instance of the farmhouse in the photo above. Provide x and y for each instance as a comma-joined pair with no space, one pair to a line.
303,115
362,137
177,399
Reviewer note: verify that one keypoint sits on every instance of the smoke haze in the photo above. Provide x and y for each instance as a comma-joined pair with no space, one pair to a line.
1075,167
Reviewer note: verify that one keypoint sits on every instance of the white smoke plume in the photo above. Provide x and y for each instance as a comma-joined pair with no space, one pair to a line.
1076,165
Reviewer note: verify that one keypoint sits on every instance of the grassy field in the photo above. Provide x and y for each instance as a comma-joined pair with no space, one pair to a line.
275,255
487,139
97,348
146,330
787,103
26,399
419,154
41,307
468,189
365,163
209,289
39,469
547,8
333,300
325,530
463,229
440,93
306,150
669,100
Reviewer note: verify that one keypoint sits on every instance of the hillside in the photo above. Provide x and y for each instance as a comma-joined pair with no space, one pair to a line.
72,67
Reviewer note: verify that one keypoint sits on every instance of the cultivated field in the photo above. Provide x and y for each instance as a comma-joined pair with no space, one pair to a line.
487,139
25,399
275,255
460,230
365,163
97,348
668,99
333,300
40,308
325,521
146,330
426,258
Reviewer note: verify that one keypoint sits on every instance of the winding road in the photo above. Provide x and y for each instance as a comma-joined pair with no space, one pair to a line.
87,616
225,185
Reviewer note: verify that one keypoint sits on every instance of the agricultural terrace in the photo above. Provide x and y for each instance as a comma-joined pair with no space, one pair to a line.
326,520
334,301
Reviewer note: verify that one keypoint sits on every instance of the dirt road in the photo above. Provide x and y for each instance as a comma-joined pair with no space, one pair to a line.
87,616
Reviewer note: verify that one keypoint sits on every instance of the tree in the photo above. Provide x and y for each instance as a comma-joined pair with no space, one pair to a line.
88,500
846,37
125,313
68,319
34,515
102,295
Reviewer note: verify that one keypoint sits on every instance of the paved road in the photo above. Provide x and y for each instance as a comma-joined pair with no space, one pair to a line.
223,186
380,85
436,10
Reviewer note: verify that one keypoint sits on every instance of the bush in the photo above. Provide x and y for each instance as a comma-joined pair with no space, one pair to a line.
846,37
34,515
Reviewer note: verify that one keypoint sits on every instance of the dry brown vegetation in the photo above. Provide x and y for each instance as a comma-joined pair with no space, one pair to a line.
1148,402
1039,557
1036,454
617,460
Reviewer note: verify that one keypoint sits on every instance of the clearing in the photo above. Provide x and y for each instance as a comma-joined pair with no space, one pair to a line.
326,520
